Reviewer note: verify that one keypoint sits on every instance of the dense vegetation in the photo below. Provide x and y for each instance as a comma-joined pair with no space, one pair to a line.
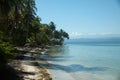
20,26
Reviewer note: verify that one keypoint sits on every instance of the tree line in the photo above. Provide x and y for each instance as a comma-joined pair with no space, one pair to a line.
20,26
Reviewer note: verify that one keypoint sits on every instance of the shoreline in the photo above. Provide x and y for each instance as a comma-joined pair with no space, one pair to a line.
28,67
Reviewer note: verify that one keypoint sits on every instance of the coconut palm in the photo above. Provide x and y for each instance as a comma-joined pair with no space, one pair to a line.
29,14
6,6
52,26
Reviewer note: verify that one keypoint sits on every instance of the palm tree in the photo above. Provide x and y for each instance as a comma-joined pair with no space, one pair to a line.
5,7
17,12
29,14
35,26
64,34
52,26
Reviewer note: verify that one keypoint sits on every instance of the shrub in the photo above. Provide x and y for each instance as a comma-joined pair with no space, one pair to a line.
7,51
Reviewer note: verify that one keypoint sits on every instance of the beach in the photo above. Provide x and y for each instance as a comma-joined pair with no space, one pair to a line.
69,62
27,67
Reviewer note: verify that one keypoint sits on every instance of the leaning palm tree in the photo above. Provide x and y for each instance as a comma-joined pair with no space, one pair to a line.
64,34
52,26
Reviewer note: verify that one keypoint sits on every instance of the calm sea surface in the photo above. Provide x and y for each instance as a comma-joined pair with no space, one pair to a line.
84,61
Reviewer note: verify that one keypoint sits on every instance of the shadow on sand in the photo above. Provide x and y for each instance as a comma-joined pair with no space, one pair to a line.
55,58
73,67
68,68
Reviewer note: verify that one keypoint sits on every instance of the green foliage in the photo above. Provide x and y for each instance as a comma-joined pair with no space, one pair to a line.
31,41
52,26
42,39
20,26
7,52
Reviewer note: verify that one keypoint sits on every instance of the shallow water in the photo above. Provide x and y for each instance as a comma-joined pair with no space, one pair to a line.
84,62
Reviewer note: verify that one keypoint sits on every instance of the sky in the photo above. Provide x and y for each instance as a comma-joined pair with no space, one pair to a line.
82,18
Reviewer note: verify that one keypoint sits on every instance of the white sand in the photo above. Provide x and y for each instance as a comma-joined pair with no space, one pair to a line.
33,72
28,67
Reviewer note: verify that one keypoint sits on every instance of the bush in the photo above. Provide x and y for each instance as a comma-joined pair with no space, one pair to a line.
6,52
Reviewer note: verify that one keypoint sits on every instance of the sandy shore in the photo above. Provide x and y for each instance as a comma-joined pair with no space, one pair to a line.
28,68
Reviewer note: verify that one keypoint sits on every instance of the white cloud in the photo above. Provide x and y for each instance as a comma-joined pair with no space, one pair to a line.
75,34
81,34
85,35
105,33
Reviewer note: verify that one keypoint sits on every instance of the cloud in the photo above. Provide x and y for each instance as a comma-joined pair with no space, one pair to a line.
81,34
106,33
85,35
75,34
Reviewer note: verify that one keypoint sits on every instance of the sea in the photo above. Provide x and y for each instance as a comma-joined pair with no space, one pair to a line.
84,60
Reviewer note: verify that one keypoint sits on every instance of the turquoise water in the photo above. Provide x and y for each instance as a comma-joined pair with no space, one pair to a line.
84,61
